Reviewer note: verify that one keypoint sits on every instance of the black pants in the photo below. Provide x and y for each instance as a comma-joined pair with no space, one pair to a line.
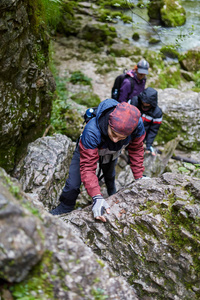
71,189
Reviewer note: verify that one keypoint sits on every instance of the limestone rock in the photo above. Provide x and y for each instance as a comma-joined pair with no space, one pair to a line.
181,114
45,167
152,235
46,258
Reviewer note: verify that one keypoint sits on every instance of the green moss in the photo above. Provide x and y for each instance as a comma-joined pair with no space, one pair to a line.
88,99
120,4
169,51
126,19
37,284
101,263
68,23
100,34
168,78
80,78
98,294
31,208
135,36
172,13
44,14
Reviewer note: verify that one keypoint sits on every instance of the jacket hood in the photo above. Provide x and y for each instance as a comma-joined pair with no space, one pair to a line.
150,96
104,106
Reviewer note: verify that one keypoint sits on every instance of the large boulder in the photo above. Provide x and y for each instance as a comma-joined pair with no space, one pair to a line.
152,236
181,114
190,60
170,13
44,169
41,257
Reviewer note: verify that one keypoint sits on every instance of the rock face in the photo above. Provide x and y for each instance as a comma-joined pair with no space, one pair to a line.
64,267
181,117
152,236
44,169
26,84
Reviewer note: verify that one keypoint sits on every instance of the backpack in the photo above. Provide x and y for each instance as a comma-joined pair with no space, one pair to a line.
89,114
117,84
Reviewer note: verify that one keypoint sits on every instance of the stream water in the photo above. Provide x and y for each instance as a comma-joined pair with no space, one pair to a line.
166,35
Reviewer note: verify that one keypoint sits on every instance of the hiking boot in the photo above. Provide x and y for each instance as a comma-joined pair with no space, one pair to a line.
62,209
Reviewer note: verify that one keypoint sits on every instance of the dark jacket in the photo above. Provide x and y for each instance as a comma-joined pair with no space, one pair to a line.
125,91
95,143
152,118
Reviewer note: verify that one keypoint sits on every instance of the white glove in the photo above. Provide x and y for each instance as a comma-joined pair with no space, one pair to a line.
99,206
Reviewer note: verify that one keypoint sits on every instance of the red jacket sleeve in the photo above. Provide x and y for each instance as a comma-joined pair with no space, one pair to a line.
88,167
136,155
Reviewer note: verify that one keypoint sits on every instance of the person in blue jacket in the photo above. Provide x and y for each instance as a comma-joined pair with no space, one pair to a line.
115,126
147,103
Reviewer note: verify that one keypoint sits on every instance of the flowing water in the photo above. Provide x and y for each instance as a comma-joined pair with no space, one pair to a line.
166,35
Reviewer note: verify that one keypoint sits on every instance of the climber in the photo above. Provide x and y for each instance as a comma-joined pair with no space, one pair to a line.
147,103
115,126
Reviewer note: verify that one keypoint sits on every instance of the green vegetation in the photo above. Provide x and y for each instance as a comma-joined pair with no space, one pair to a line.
64,119
37,284
115,4
86,98
99,294
172,13
197,82
45,14
80,78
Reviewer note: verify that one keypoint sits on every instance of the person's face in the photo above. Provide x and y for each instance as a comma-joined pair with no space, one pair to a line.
140,76
146,106
114,136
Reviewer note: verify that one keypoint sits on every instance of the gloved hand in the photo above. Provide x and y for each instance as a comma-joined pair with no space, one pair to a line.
99,206
151,150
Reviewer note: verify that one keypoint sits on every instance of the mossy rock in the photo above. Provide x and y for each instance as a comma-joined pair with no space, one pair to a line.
74,124
126,19
141,4
119,50
153,41
108,60
90,45
100,34
135,36
155,59
86,98
169,77
154,10
169,51
116,4
68,24
190,60
172,13
168,12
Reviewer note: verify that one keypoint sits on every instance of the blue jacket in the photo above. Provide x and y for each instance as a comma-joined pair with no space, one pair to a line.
95,142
